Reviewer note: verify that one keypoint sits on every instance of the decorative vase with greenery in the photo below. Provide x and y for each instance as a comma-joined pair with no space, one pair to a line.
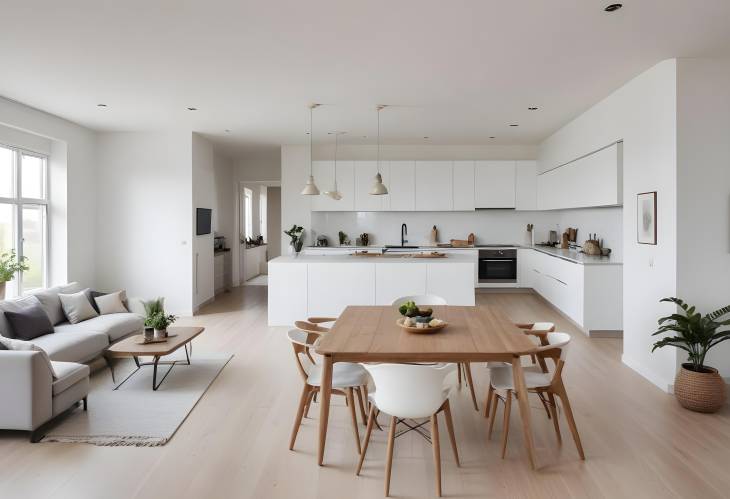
296,233
157,318
698,387
9,266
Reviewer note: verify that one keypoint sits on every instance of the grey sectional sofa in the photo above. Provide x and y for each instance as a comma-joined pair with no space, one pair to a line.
29,394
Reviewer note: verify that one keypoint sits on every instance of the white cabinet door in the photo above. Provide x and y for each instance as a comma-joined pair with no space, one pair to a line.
365,172
526,185
394,280
287,289
434,182
453,281
463,188
525,272
494,184
326,282
401,184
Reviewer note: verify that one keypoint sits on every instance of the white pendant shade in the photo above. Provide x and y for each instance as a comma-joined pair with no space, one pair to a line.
378,187
310,189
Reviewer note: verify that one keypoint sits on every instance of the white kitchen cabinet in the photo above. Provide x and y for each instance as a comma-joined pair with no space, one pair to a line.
494,184
365,172
331,288
593,180
525,274
526,185
393,280
253,260
400,179
463,186
324,176
287,293
454,283
434,181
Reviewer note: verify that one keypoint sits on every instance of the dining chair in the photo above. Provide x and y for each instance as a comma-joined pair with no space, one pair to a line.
463,367
347,380
407,392
542,383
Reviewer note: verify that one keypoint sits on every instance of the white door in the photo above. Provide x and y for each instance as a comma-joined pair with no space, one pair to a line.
401,183
463,188
434,184
494,183
365,172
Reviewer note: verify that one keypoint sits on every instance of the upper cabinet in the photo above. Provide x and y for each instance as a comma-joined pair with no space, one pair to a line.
434,183
526,185
365,172
592,180
324,175
463,186
401,183
494,184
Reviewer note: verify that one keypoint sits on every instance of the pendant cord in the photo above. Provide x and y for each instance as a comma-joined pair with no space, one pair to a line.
378,153
311,132
336,137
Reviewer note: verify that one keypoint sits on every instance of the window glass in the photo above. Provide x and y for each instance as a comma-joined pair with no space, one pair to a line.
7,158
32,177
34,230
7,227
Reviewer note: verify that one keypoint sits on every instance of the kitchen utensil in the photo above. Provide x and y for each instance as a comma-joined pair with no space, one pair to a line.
572,234
364,238
605,251
564,241
412,329
471,238
434,236
591,247
459,243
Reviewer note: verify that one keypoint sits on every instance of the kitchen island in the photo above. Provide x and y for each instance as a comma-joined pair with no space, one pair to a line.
323,285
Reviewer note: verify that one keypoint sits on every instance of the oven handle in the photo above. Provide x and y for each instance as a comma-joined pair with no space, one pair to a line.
496,259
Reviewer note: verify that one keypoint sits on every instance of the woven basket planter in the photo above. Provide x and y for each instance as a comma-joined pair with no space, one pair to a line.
700,391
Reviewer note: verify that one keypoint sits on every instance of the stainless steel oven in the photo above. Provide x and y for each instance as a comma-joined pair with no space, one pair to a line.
498,265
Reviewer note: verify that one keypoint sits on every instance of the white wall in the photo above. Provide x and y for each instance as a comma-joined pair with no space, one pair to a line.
258,165
225,197
145,217
295,208
72,189
203,196
643,114
703,190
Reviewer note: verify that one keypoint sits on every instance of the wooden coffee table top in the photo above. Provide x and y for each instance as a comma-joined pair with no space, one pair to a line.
127,347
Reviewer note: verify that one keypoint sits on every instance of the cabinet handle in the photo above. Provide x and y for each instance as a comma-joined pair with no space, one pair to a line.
561,282
536,271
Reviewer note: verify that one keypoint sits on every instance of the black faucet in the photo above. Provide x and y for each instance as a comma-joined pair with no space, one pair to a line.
403,233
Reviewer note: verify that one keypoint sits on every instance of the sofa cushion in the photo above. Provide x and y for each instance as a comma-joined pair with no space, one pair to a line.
77,306
68,374
73,346
111,303
29,323
21,345
115,326
14,305
52,303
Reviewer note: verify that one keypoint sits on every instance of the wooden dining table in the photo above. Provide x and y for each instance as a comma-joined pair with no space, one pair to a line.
473,334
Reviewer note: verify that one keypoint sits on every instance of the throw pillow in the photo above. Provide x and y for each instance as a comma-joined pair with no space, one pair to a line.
29,323
111,303
14,305
10,344
92,296
77,307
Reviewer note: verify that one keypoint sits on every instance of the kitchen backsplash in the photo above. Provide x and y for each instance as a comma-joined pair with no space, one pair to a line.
489,226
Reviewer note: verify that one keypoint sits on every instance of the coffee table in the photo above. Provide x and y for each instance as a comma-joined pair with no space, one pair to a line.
128,347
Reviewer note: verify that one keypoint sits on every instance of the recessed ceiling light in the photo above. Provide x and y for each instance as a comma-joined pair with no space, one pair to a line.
364,136
101,105
613,7
192,109
227,130
514,124
532,108
492,137
427,138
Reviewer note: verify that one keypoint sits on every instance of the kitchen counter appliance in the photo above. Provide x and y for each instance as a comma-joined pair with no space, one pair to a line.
498,265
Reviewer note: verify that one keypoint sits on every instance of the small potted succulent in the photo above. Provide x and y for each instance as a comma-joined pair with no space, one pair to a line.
698,387
156,318
296,233
10,265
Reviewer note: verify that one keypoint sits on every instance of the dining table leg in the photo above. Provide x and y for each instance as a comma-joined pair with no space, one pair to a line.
522,398
324,404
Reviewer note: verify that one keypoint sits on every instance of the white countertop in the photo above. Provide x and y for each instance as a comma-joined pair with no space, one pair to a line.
576,256
302,258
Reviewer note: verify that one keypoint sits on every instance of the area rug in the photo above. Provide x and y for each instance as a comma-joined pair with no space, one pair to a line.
135,415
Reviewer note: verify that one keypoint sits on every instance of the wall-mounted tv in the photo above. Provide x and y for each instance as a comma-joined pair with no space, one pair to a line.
202,225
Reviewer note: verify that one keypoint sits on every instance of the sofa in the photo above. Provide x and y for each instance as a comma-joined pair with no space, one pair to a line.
30,394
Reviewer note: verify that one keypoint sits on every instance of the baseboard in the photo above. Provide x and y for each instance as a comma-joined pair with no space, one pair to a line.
606,333
201,305
481,291
650,375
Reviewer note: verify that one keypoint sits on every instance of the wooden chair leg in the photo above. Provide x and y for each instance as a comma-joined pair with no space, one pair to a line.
436,451
507,407
554,412
459,373
353,415
571,421
365,443
358,392
450,429
495,400
467,371
310,397
488,400
300,413
389,455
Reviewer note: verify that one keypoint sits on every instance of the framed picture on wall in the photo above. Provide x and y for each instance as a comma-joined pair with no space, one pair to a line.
646,217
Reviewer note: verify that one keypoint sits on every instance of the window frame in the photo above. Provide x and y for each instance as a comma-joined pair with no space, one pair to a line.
18,202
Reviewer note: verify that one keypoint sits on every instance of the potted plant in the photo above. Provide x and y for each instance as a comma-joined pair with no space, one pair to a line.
9,266
698,387
156,318
296,233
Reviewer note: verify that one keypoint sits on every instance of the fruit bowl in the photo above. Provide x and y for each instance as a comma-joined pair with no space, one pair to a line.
420,329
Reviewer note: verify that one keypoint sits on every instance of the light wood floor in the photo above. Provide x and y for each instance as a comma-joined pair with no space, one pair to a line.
638,441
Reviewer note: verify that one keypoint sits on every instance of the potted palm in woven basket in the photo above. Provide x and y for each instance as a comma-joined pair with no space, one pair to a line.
698,387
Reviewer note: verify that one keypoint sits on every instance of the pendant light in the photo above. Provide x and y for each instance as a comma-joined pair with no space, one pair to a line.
310,189
334,193
379,188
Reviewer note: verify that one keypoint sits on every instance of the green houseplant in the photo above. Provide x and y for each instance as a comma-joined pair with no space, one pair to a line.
156,318
296,233
10,265
698,387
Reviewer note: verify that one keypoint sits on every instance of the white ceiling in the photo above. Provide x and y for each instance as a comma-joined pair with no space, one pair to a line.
455,71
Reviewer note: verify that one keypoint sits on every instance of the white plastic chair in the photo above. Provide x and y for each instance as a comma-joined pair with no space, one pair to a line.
464,367
410,391
500,378
347,379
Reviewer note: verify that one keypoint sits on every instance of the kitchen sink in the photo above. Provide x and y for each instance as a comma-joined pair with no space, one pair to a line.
392,246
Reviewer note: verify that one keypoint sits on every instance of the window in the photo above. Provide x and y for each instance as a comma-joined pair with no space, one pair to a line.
24,214
248,212
262,213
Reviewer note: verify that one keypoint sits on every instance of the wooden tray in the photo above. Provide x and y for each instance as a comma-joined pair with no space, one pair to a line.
424,330
431,254
139,340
